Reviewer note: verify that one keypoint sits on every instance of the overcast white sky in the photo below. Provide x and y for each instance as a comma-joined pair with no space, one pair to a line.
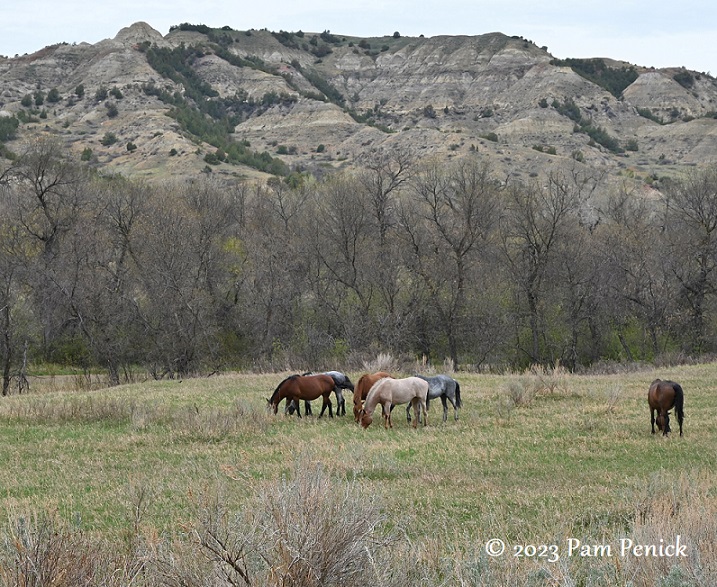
650,33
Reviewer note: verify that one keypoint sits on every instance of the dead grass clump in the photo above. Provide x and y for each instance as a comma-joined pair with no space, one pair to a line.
684,506
522,391
40,551
614,395
382,362
549,379
304,531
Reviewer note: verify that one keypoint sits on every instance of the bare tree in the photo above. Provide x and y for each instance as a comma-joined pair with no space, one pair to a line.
384,174
636,253
537,218
691,227
447,221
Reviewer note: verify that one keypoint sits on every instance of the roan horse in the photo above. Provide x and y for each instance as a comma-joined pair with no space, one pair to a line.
445,387
390,392
341,381
362,388
306,387
662,397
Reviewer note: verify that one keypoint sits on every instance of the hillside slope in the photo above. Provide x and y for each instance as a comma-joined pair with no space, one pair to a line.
321,101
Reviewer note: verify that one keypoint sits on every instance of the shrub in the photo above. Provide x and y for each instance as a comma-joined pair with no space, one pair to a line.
112,110
685,79
647,113
613,79
53,96
212,159
86,154
8,128
131,146
321,148
101,94
26,101
568,108
116,92
39,96
108,139
80,91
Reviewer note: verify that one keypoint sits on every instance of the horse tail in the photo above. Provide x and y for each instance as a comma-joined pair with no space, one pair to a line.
459,403
679,402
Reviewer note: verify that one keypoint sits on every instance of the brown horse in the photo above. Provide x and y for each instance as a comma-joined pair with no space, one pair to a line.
362,388
390,392
662,397
306,387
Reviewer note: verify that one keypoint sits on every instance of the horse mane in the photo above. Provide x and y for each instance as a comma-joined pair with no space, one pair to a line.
278,387
375,388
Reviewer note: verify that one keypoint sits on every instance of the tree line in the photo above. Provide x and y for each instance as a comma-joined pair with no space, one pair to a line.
440,259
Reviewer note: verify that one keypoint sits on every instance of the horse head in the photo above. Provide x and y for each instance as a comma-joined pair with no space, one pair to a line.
358,410
365,419
663,422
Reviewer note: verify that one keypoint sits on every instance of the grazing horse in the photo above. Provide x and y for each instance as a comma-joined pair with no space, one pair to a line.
445,387
306,387
662,397
363,386
341,381
390,392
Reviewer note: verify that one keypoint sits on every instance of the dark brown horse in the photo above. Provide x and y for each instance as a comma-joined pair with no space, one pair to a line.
306,387
662,397
362,388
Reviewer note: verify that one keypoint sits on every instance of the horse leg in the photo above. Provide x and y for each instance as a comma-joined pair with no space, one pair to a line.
412,406
307,408
327,403
445,407
652,419
408,413
424,405
289,408
455,408
340,402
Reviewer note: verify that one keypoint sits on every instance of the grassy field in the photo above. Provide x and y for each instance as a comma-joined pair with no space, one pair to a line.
538,459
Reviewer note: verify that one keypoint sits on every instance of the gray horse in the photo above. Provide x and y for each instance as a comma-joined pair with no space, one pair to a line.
447,389
341,382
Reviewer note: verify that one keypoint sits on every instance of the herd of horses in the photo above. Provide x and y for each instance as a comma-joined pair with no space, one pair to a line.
381,388
370,390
